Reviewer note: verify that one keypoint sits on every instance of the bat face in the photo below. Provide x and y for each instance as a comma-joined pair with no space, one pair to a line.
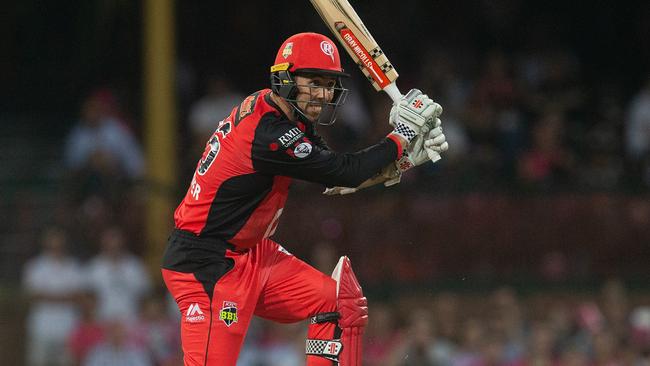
348,28
367,61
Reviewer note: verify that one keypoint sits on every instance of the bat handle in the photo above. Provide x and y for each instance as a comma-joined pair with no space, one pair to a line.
393,92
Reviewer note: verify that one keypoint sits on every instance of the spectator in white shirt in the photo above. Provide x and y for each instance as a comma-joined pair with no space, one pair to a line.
52,281
118,278
215,105
102,142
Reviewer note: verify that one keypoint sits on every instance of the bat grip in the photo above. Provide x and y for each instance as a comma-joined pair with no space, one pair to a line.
393,92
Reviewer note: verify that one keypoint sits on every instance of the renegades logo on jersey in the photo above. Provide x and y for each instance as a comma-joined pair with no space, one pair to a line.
303,150
228,313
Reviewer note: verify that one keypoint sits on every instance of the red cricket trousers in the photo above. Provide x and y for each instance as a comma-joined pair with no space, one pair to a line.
218,292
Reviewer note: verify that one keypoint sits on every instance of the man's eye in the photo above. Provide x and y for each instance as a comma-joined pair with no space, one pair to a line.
322,84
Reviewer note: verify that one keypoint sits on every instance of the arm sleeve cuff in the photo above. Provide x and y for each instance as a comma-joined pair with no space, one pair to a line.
395,139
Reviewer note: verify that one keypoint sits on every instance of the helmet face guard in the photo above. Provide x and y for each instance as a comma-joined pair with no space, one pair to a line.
283,84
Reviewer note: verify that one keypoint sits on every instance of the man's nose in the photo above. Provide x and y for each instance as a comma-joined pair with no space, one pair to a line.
325,93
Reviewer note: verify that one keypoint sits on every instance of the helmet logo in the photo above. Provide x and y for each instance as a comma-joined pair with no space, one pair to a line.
327,49
288,50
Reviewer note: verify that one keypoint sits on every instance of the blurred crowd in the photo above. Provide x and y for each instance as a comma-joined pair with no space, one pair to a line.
106,311
500,328
524,121
99,311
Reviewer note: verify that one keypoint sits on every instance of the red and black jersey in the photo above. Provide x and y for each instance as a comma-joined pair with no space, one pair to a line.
241,183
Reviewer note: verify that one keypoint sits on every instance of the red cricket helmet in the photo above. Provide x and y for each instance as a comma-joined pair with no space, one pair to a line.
309,53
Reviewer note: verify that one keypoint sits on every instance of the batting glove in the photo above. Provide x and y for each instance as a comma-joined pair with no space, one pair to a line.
414,115
424,148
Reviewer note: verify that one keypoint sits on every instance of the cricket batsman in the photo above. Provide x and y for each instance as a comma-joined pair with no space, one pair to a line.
221,265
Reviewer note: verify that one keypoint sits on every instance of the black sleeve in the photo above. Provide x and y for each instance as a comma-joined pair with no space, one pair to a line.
281,148
317,139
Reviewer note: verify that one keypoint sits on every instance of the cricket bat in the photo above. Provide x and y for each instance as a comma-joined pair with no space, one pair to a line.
348,28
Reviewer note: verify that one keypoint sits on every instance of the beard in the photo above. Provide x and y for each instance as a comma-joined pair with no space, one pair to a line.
312,108
313,111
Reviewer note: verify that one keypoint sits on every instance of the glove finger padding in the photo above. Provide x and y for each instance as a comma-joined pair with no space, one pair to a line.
438,143
434,156
439,148
438,140
434,133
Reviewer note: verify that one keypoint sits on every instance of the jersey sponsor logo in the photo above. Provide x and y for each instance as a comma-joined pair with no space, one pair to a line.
228,313
194,314
290,137
327,49
215,145
288,50
302,150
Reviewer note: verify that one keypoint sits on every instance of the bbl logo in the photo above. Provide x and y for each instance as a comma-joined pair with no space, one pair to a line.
228,312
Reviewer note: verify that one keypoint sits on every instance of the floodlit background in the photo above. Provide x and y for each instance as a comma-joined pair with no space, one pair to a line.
528,244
